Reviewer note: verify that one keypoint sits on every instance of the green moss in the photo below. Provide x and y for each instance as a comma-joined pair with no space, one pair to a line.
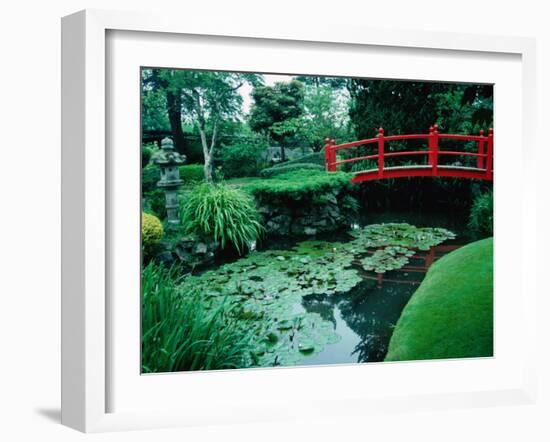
451,313
298,185
279,170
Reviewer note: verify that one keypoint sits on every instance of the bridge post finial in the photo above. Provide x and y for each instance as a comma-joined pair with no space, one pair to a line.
436,128
481,132
490,131
381,132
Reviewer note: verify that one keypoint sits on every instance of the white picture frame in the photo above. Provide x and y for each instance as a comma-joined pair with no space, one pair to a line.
86,356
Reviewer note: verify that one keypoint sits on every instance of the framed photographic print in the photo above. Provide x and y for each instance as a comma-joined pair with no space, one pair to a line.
281,224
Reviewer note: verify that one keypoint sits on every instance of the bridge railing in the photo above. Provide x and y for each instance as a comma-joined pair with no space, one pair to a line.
484,153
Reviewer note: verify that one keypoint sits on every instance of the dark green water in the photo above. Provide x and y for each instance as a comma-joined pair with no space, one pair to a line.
366,316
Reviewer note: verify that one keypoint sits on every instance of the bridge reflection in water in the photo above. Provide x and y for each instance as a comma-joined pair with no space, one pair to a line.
366,316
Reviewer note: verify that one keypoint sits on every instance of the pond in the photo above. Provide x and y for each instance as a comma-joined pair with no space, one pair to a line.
317,302
365,317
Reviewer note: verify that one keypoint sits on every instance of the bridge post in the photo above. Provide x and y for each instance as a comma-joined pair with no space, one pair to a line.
430,146
332,151
380,152
434,138
489,161
480,150
327,155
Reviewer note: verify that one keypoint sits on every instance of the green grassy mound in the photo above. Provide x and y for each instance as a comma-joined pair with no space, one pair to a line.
451,313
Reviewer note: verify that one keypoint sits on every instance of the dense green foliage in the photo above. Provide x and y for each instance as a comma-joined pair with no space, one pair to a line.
147,151
298,185
284,168
312,158
150,176
325,115
243,159
223,213
204,99
273,105
405,107
192,173
151,229
151,233
183,331
154,202
481,215
451,313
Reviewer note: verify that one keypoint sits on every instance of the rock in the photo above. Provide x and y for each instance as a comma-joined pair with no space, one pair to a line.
183,254
165,257
201,248
321,222
310,231
264,210
331,198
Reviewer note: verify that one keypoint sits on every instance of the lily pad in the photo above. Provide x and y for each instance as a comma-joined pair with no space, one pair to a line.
268,286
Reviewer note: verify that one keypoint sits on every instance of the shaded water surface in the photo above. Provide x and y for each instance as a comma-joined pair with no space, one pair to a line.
365,317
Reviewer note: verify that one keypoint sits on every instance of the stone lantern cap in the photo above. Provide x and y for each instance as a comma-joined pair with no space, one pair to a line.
167,156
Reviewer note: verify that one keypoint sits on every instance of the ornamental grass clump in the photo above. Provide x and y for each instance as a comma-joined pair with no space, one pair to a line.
182,331
225,214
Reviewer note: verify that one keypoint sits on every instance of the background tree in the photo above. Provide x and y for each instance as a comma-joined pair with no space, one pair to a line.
333,82
402,107
207,100
156,91
397,106
325,115
274,105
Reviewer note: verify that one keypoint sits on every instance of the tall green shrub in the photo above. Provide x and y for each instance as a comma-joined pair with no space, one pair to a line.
242,159
481,215
192,173
225,214
151,234
147,151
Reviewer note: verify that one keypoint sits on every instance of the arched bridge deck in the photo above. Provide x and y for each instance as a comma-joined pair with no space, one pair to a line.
432,166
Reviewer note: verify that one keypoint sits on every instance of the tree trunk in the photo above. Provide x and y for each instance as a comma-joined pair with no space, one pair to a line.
207,153
208,168
173,107
283,156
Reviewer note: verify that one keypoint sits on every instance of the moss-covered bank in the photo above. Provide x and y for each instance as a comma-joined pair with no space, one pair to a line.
451,313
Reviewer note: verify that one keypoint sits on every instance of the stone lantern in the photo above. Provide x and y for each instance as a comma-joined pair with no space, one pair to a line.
169,161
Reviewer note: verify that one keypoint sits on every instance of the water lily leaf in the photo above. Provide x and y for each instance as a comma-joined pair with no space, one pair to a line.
269,286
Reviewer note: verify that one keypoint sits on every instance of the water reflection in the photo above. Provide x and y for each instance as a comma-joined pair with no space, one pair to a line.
364,318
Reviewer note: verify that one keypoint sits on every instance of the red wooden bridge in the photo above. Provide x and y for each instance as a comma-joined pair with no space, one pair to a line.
430,167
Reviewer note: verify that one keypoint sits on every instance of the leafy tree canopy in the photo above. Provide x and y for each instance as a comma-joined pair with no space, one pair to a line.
275,104
403,107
